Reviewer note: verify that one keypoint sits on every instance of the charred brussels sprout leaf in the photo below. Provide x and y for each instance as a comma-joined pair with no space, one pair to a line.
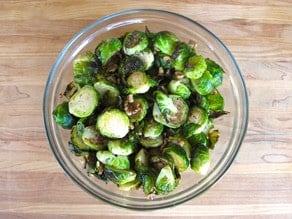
63,117
107,49
147,57
165,42
135,42
85,69
136,108
130,64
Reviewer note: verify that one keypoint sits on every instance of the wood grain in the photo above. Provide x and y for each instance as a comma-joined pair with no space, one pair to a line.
259,35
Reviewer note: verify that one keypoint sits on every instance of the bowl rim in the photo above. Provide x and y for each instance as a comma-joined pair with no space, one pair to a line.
60,57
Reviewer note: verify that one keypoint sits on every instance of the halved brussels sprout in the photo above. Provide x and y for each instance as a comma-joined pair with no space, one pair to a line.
130,64
216,71
180,55
212,102
135,42
119,176
179,88
76,139
200,159
63,117
85,69
197,122
183,142
147,58
84,102
113,123
152,129
166,180
109,93
195,67
165,41
199,139
151,142
139,82
204,84
117,161
170,110
136,108
141,160
178,155
121,146
148,178
93,138
108,48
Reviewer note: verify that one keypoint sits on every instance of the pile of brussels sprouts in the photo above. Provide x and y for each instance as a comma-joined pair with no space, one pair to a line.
141,110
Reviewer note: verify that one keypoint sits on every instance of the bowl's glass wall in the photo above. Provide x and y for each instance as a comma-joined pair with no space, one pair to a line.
231,126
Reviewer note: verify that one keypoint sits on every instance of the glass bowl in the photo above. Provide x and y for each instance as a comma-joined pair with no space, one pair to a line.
232,126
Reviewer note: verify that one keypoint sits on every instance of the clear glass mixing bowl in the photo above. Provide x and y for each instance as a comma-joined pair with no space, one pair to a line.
232,126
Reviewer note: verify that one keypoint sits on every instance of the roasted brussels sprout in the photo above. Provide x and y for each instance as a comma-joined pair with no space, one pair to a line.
170,110
76,140
165,42
135,42
178,155
63,117
166,180
147,57
195,67
139,82
180,55
200,159
121,146
136,108
71,89
116,161
130,64
141,160
151,142
179,88
152,129
84,102
216,71
119,176
85,69
108,48
203,85
113,123
109,93
212,102
130,185
93,138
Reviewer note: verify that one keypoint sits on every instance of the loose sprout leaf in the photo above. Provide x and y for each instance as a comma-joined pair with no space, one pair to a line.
108,48
142,110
